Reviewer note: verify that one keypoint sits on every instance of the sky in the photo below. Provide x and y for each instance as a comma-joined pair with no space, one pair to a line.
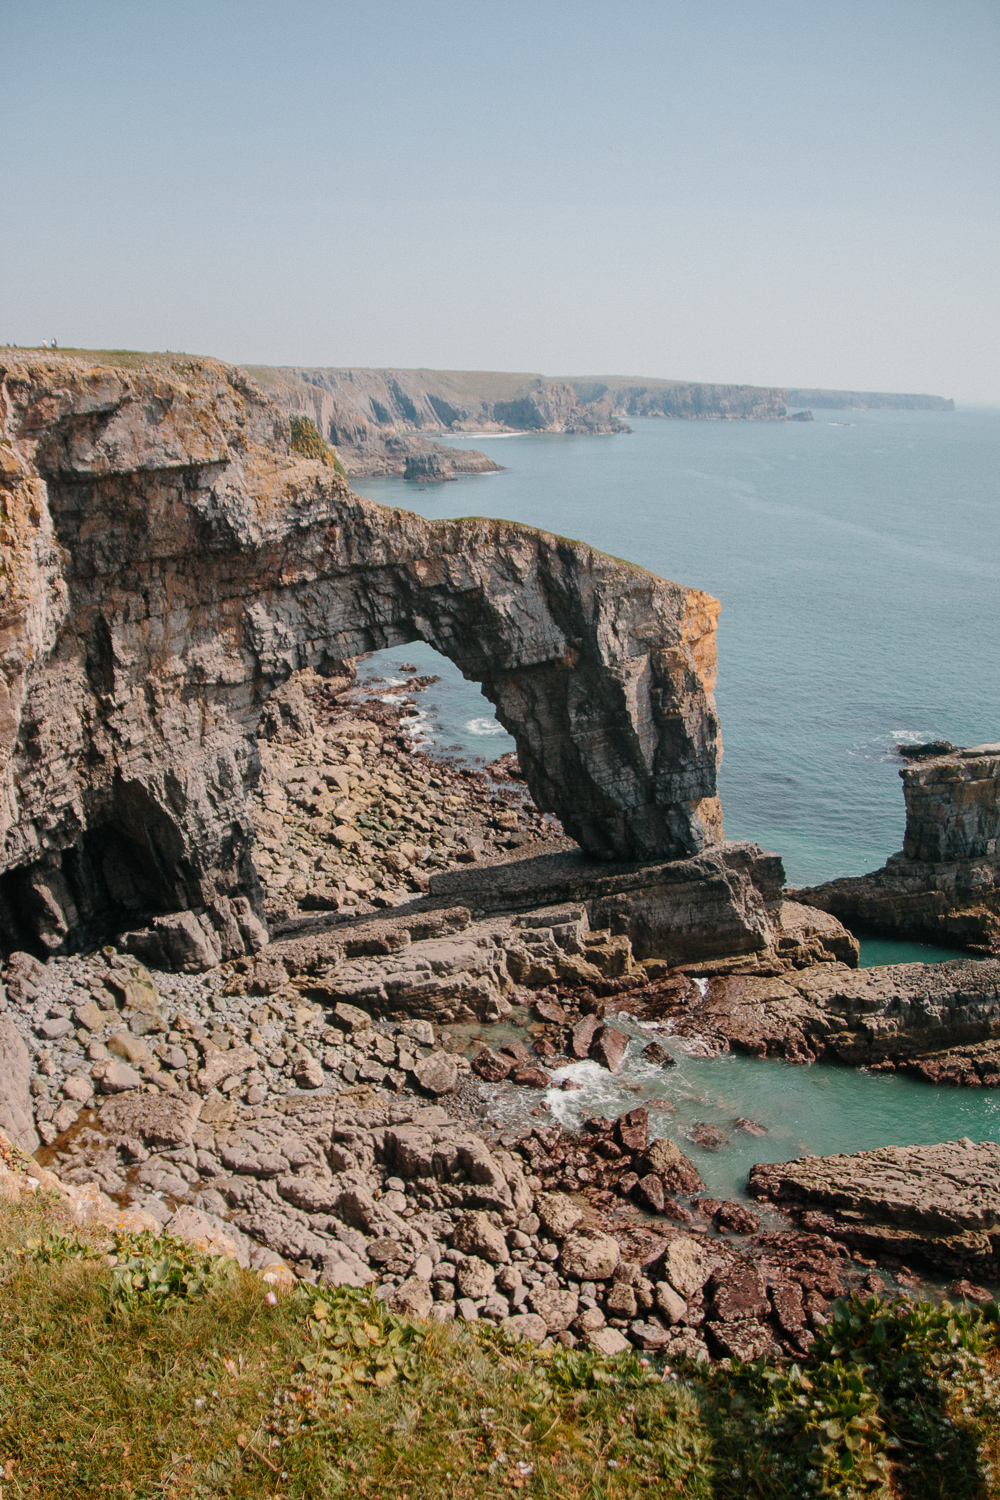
767,192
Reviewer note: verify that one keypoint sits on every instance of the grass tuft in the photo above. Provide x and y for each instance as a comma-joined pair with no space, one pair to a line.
145,1369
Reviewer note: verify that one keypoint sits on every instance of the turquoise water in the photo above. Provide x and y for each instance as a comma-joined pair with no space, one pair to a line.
818,1109
878,951
857,559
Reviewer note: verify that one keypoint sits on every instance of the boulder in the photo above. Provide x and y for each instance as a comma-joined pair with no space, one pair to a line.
438,1074
671,1305
16,1113
556,1307
607,1341
687,1264
632,1130
589,1255
525,1326
608,1047
557,1213
668,1161
158,1119
117,1078
492,1066
475,1277
475,1235
413,1297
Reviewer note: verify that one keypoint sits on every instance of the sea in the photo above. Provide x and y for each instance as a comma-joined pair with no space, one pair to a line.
857,560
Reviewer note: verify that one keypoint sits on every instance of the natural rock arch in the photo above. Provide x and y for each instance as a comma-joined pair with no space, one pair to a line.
175,562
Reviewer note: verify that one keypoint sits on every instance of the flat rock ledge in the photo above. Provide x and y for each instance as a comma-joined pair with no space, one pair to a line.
900,1017
940,1204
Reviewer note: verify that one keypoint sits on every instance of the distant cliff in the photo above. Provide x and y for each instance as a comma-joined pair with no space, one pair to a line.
867,400
374,417
384,421
632,396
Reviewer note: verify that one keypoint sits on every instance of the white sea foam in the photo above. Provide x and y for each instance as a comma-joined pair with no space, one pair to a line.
484,726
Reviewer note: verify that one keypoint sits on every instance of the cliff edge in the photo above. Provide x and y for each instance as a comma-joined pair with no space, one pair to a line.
168,560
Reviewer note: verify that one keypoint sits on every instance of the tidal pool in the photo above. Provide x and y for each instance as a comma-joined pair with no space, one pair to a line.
819,1109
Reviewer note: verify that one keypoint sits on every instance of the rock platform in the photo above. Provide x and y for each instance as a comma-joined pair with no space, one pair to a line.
939,1204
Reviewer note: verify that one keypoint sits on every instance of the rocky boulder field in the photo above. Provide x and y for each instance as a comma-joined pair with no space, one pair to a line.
325,1109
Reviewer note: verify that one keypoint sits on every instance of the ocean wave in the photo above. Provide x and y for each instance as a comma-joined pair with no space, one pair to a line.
484,726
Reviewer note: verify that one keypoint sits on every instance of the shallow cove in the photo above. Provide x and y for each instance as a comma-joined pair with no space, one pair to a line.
820,1109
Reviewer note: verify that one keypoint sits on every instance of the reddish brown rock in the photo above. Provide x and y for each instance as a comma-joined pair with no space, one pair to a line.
649,1190
492,1066
550,1010
736,1218
534,1078
608,1047
667,1160
518,1051
632,1130
583,1035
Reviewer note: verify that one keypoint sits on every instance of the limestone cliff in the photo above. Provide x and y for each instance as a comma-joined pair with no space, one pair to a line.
167,560
944,885
376,417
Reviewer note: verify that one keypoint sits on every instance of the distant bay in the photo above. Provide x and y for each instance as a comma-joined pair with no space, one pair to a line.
857,558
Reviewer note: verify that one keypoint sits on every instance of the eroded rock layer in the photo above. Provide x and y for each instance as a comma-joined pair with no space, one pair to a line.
168,561
941,1202
944,885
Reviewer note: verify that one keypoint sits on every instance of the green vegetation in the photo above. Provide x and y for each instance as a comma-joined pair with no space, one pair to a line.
307,441
156,1371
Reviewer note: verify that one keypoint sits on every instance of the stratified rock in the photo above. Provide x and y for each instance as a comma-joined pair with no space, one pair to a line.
17,1119
944,886
899,1012
151,513
939,1202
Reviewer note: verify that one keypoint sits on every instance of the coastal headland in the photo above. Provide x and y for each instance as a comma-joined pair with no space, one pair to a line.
278,984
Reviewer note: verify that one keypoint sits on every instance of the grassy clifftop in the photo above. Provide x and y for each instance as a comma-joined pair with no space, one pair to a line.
144,1368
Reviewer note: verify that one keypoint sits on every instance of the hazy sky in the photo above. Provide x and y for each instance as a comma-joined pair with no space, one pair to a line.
787,193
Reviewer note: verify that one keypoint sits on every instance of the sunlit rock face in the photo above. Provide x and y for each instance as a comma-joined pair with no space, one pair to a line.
168,560
944,885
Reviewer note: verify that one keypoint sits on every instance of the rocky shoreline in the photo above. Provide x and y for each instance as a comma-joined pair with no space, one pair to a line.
313,1111
332,954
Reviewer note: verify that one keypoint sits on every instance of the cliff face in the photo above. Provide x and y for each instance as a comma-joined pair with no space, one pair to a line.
675,398
167,561
944,886
375,416
867,400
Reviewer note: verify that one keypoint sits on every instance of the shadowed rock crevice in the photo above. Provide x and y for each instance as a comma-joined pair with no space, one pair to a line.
172,562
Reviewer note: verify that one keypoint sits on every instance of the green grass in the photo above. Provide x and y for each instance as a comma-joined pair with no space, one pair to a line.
168,1375
307,441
